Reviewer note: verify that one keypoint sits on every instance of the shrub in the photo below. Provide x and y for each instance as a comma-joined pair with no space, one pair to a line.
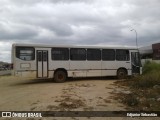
147,80
150,77
150,67
130,100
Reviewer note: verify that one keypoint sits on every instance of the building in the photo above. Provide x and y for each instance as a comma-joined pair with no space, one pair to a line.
146,52
150,53
156,51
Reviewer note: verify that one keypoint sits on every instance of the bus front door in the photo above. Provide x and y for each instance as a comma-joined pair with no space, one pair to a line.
42,63
136,63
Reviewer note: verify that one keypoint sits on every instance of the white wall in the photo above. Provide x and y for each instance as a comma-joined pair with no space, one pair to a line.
143,61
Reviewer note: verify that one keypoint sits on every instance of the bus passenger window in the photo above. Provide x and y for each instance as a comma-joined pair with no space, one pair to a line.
108,54
60,54
78,54
122,55
93,54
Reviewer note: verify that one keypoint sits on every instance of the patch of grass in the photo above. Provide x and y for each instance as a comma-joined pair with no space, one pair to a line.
141,82
70,103
150,67
146,81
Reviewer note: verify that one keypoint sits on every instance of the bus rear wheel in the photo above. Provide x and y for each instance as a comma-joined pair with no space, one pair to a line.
121,74
60,76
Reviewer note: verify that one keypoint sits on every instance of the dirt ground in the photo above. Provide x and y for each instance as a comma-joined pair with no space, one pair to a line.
20,94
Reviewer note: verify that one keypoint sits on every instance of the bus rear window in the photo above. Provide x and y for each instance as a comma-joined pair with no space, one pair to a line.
25,53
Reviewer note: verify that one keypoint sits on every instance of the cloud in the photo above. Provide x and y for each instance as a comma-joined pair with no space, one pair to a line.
5,51
10,31
30,2
85,22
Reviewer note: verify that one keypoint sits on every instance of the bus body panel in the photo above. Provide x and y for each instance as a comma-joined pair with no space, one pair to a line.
84,68
25,68
94,68
78,68
54,65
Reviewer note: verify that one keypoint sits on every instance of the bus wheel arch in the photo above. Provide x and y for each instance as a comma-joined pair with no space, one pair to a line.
60,75
122,73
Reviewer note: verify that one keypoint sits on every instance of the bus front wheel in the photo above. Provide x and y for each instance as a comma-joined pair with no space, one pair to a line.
121,74
60,76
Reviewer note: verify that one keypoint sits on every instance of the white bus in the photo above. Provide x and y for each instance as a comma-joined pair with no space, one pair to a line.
61,62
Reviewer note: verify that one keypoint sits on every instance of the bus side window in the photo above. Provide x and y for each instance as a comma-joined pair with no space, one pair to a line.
108,54
93,54
122,55
78,54
60,54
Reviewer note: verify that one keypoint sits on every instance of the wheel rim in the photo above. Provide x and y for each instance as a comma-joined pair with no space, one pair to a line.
121,74
60,77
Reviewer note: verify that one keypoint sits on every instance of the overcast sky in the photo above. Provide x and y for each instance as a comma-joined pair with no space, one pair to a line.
78,22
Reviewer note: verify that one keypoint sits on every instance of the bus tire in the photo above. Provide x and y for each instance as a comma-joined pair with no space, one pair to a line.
121,74
60,76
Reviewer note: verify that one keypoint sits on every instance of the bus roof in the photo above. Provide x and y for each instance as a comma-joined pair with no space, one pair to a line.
73,46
